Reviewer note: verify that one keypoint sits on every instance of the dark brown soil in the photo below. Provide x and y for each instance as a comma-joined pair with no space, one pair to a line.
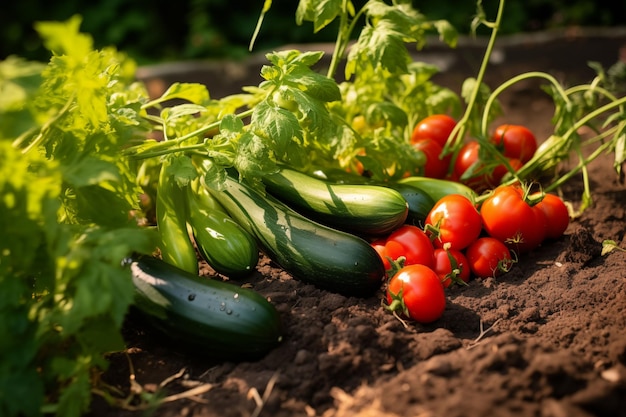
547,339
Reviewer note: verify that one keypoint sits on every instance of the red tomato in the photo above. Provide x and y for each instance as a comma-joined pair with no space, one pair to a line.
446,271
417,292
380,247
488,257
508,217
454,220
557,215
482,176
411,242
494,178
436,127
516,141
435,167
467,157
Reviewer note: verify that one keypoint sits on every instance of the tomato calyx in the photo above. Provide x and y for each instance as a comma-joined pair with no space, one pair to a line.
505,265
397,303
454,276
395,265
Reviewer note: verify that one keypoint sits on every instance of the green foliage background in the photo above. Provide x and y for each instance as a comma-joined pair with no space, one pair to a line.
159,30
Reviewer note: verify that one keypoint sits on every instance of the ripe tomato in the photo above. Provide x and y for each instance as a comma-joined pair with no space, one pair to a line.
411,242
380,246
467,157
508,217
417,292
436,127
454,220
494,178
435,167
557,215
516,141
488,257
446,271
485,175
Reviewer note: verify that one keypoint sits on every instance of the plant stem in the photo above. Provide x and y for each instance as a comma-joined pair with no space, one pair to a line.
164,147
509,83
459,130
343,37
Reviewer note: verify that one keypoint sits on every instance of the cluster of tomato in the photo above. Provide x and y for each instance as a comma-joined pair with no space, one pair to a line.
516,143
461,238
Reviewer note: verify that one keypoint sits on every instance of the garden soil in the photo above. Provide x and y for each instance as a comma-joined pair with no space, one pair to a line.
547,339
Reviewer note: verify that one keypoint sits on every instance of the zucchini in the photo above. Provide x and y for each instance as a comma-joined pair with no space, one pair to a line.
175,243
339,176
328,258
214,317
438,188
224,245
363,209
419,201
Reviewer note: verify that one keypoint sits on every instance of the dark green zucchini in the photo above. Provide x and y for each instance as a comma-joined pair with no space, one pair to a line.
419,201
223,244
220,319
363,209
309,251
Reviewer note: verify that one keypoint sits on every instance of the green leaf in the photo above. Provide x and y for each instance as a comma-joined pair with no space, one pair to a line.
183,169
447,32
280,126
254,158
194,92
609,246
91,170
378,46
320,12
64,38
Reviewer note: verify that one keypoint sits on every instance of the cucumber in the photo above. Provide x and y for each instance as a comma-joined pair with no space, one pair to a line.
438,188
363,209
223,244
220,319
328,258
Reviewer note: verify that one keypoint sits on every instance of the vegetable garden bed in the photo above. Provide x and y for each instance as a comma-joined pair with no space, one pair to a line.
546,339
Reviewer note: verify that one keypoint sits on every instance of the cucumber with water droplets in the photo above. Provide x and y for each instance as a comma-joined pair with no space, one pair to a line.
214,317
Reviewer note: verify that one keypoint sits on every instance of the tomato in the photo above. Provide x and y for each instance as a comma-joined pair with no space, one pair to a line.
411,242
380,246
483,175
435,167
436,127
417,292
556,213
446,271
516,141
488,257
454,220
494,178
467,157
507,216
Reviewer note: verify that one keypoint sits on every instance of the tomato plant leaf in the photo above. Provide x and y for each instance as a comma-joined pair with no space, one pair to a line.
321,12
193,92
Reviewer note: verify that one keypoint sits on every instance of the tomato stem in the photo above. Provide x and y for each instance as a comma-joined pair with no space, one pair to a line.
458,132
